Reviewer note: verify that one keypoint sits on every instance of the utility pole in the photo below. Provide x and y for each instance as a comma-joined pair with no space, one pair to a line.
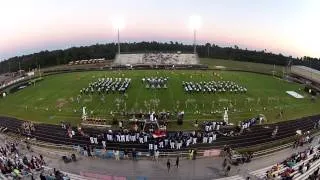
118,40
19,69
194,42
39,70
274,68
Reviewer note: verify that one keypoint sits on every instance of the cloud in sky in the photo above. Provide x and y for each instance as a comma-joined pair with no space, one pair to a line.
289,27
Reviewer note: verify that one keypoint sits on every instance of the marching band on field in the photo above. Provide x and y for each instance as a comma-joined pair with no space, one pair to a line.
212,87
155,82
106,85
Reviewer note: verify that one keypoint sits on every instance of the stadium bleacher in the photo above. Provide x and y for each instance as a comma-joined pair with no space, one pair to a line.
292,167
156,58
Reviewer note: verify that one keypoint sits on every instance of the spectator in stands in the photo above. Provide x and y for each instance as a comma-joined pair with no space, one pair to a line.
10,162
301,168
308,166
42,177
304,169
316,172
307,139
287,173
269,174
289,163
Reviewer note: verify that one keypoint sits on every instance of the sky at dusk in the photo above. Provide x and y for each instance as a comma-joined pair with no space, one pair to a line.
290,27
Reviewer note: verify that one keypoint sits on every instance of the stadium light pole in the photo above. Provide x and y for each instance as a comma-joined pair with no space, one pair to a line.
118,24
118,41
194,42
195,23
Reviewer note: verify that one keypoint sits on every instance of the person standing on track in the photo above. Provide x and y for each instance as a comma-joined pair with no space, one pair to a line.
224,164
177,161
168,165
227,170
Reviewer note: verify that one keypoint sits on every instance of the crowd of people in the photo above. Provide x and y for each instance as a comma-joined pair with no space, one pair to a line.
54,175
286,169
209,126
158,58
314,175
15,164
213,87
249,122
209,133
19,163
106,85
169,58
302,139
212,125
156,138
27,128
177,140
70,131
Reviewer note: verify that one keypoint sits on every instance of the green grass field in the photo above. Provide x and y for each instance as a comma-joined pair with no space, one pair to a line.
54,99
248,66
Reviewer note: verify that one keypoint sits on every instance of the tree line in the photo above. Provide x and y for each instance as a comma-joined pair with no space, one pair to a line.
108,51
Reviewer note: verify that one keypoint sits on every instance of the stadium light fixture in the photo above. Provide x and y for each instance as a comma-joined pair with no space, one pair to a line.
194,24
118,24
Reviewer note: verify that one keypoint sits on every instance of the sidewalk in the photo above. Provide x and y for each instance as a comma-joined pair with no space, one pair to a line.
200,169
209,168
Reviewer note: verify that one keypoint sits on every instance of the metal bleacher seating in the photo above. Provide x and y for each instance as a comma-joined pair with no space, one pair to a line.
315,163
157,58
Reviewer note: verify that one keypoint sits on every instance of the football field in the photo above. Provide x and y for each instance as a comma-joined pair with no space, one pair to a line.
57,98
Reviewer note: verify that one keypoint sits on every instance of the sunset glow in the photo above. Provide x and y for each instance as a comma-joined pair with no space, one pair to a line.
287,27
